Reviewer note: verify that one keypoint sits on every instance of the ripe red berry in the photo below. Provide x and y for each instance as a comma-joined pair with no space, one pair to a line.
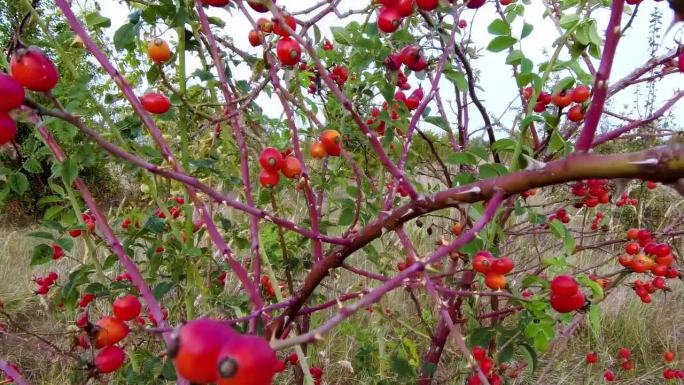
34,70
109,359
561,99
625,353
109,331
216,3
331,141
495,281
575,113
246,360
472,4
288,51
632,248
404,7
294,358
567,304
479,353
11,93
268,178
8,128
280,30
669,356
155,103
609,376
502,265
255,38
591,358
564,285
389,20
627,366
581,94
427,5
482,263
197,347
292,167
127,308
57,251
258,6
271,159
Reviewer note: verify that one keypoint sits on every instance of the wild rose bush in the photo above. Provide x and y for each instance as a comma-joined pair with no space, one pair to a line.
224,275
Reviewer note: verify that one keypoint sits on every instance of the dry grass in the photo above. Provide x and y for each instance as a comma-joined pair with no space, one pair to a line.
648,330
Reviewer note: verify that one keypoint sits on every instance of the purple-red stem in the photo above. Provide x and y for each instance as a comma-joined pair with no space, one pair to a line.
156,134
11,373
238,132
347,104
638,123
283,96
376,294
598,100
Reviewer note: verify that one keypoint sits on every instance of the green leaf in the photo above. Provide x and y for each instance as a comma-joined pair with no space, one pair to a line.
95,21
505,144
460,158
66,243
42,254
126,35
18,183
526,30
515,57
530,356
439,122
52,212
569,21
341,35
155,225
564,84
594,319
596,289
501,43
346,217
69,170
458,78
499,27
480,337
160,290
42,235
33,166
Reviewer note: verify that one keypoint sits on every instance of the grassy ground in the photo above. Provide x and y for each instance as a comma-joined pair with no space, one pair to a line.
648,330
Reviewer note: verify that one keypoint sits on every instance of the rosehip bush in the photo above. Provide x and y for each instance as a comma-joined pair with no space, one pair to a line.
352,181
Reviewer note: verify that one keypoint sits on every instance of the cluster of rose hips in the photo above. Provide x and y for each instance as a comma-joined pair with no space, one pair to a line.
566,295
272,161
89,220
670,373
31,69
174,210
86,299
107,332
596,221
562,99
329,143
316,372
208,352
267,286
592,192
494,269
486,365
410,56
625,200
392,12
642,254
45,283
560,214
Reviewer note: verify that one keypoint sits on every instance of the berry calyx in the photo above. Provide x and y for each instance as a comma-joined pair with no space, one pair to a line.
271,159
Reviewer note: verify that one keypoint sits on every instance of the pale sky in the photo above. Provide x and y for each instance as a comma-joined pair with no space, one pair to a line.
496,79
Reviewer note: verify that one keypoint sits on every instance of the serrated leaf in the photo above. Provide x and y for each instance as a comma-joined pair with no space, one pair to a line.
42,254
155,225
499,27
501,43
18,183
569,21
458,78
95,21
